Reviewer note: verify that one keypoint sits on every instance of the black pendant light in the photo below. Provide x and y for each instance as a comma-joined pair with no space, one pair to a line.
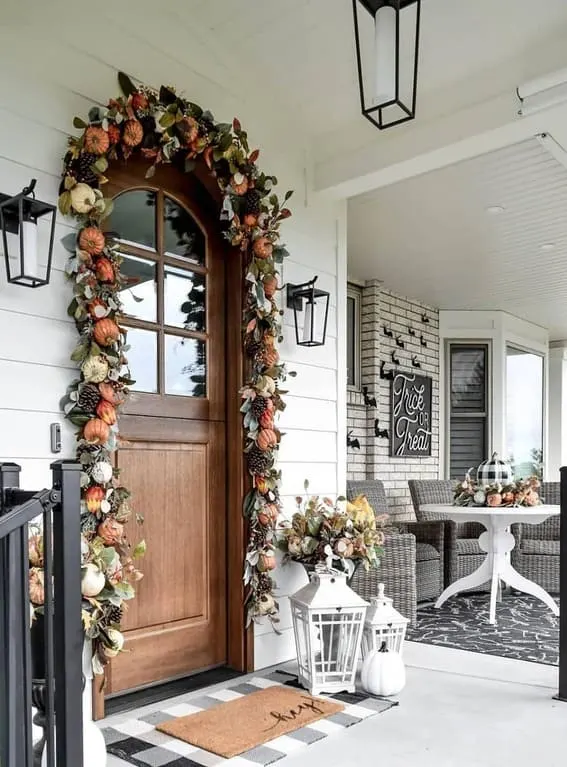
387,52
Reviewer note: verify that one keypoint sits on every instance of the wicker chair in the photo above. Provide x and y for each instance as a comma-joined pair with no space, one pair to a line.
412,566
462,553
536,554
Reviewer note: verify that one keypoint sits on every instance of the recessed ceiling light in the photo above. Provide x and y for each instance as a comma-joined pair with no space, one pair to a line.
548,246
494,210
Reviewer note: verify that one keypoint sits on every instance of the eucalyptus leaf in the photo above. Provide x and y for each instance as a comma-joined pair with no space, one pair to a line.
79,123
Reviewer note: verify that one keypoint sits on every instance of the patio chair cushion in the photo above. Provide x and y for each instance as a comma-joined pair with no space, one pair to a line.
546,548
425,551
468,546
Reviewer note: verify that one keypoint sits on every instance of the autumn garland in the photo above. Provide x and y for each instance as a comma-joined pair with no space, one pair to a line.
164,128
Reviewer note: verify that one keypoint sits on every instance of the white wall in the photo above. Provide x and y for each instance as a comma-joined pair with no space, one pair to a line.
498,329
58,78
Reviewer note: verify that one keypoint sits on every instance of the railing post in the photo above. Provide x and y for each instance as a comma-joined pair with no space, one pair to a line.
15,689
69,635
562,693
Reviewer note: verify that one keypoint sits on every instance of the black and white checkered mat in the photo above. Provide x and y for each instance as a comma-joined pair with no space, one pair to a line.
138,742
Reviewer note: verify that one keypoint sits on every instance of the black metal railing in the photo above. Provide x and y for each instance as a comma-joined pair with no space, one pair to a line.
41,665
562,693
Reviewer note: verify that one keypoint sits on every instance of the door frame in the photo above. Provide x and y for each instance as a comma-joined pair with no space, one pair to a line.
240,638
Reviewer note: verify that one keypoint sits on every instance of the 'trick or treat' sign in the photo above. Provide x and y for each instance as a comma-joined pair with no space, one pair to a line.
411,416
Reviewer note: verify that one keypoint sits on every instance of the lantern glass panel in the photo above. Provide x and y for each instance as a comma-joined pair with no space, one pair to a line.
374,636
311,321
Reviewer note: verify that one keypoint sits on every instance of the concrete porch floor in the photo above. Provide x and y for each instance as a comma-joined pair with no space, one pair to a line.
458,708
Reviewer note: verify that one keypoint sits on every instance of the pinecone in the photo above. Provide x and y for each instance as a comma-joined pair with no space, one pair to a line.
253,348
89,397
114,614
264,584
89,523
83,170
259,404
258,462
252,202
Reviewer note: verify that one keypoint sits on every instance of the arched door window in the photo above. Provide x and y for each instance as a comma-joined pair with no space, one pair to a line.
165,301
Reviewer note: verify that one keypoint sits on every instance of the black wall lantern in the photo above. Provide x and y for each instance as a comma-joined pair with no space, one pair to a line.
316,309
19,215
387,51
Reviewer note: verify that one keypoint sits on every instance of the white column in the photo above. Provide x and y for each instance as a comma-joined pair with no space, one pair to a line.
556,410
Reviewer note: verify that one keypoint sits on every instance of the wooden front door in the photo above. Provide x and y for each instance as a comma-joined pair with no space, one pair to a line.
173,456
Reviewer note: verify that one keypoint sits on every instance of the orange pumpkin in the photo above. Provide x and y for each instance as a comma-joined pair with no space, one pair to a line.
92,240
239,184
261,484
110,394
104,270
139,100
96,140
106,332
270,285
97,308
96,431
266,420
494,499
133,133
189,127
271,356
268,515
111,531
266,439
106,412
266,561
250,220
113,133
262,247
93,497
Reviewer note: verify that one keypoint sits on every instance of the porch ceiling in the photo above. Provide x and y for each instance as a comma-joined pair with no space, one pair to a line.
432,238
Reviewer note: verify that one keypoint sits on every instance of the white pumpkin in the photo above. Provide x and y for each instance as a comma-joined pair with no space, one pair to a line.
117,639
92,580
383,672
102,472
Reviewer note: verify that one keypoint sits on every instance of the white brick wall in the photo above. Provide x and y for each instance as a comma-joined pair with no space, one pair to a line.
382,308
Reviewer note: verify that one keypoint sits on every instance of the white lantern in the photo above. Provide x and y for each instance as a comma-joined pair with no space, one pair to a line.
328,619
383,624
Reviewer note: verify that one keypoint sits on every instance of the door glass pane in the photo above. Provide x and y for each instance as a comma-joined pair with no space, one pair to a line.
185,367
139,297
182,235
184,299
142,359
524,412
133,218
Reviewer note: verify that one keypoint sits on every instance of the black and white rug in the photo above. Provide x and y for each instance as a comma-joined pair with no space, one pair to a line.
137,741
525,630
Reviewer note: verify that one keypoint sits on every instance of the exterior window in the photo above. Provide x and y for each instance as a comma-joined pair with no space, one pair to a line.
165,294
354,295
468,407
524,411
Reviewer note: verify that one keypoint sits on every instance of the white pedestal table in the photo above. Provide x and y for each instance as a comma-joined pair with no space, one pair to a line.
498,542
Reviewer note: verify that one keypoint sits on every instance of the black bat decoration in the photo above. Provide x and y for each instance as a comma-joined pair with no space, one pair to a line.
369,400
395,360
415,362
386,375
400,342
411,331
424,318
388,332
423,341
380,433
354,443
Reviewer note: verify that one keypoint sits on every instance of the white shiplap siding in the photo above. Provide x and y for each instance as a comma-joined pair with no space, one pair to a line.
56,80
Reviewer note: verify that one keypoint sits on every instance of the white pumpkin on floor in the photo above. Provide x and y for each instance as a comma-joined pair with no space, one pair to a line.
383,672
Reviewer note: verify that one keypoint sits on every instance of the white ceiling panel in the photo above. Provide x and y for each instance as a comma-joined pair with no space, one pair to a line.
432,238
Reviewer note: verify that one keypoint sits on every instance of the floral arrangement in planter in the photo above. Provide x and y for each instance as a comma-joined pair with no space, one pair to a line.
521,492
341,534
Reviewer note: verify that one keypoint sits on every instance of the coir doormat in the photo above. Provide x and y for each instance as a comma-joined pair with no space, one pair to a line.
242,724
138,741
